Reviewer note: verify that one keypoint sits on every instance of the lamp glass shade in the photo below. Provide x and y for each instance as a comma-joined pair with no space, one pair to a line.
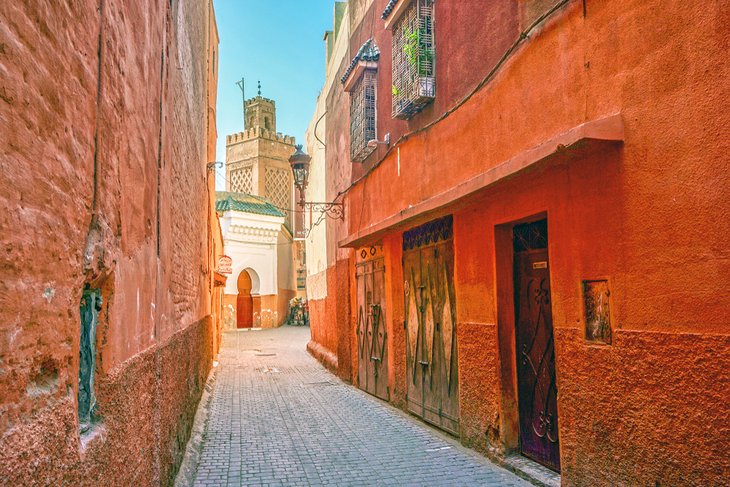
299,162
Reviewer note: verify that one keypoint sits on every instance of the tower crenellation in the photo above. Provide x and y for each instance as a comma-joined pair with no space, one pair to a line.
260,113
257,158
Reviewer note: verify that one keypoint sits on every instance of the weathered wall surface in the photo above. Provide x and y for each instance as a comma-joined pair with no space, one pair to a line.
102,171
649,215
328,179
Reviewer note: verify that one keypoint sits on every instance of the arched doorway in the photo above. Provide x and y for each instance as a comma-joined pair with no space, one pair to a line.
244,304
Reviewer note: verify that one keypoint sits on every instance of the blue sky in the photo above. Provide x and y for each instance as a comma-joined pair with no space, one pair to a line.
280,43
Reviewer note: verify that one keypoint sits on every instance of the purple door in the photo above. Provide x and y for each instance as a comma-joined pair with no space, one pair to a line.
537,388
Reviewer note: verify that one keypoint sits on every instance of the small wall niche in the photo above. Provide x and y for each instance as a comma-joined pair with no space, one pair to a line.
597,311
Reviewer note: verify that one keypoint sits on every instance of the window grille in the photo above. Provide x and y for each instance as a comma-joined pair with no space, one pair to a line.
362,116
414,82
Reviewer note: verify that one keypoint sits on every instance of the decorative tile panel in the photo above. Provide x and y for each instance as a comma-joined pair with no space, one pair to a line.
278,190
242,180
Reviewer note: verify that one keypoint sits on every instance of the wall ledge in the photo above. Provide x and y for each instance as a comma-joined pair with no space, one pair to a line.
323,355
593,134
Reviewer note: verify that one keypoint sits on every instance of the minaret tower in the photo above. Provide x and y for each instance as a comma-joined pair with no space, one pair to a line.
257,159
261,112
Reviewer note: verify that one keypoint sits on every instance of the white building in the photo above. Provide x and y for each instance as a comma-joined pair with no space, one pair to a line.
258,290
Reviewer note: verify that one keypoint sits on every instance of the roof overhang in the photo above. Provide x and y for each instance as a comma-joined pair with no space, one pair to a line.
355,74
579,141
396,13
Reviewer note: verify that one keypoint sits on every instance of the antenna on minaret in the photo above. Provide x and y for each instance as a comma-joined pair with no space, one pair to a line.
242,85
259,87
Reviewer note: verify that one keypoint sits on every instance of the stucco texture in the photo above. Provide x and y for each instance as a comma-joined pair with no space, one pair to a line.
103,114
648,213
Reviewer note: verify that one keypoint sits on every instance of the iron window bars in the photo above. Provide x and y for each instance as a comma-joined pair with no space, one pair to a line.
414,82
362,115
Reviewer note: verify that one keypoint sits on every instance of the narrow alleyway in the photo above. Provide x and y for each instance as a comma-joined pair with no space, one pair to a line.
277,417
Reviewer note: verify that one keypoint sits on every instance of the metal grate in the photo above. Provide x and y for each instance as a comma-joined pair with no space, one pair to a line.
362,116
414,82
429,233
530,236
242,180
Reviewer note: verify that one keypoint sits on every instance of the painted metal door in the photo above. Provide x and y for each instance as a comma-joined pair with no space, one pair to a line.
537,387
372,336
431,351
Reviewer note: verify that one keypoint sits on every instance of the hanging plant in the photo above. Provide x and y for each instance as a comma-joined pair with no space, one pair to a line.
417,54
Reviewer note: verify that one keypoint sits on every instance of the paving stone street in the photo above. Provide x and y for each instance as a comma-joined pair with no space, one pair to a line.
277,417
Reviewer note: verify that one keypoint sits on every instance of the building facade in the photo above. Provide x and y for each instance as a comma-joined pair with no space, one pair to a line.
256,294
522,195
257,159
259,221
107,320
321,239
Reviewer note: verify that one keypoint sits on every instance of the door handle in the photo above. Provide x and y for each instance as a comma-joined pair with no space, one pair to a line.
425,364
376,359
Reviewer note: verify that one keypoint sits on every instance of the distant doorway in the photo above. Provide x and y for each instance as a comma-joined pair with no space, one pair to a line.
244,303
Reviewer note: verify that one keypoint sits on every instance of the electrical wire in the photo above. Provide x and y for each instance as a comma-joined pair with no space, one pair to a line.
315,130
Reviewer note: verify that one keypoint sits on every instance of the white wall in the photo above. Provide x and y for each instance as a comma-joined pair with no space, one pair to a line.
251,241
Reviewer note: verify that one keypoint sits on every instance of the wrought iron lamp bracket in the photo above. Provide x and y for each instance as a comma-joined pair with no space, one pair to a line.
332,210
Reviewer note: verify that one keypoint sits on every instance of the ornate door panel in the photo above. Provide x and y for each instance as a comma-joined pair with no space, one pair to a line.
372,337
537,388
432,375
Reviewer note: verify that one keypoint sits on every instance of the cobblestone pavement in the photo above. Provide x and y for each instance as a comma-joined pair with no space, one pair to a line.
277,417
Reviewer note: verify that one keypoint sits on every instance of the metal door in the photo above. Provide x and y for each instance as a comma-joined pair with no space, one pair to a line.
537,388
372,336
431,351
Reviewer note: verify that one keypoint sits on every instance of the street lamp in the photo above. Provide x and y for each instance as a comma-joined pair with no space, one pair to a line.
299,162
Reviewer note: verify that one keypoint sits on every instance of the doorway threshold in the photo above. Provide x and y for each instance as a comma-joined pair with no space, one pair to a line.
531,470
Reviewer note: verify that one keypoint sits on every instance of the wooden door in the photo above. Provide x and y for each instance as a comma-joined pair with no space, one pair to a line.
431,351
372,336
537,387
244,305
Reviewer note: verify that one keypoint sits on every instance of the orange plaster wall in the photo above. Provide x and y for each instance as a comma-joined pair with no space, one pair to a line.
395,317
656,380
668,177
282,305
103,182
651,216
322,317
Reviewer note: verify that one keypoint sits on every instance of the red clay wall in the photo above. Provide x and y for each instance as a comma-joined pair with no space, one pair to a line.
323,325
103,113
650,215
